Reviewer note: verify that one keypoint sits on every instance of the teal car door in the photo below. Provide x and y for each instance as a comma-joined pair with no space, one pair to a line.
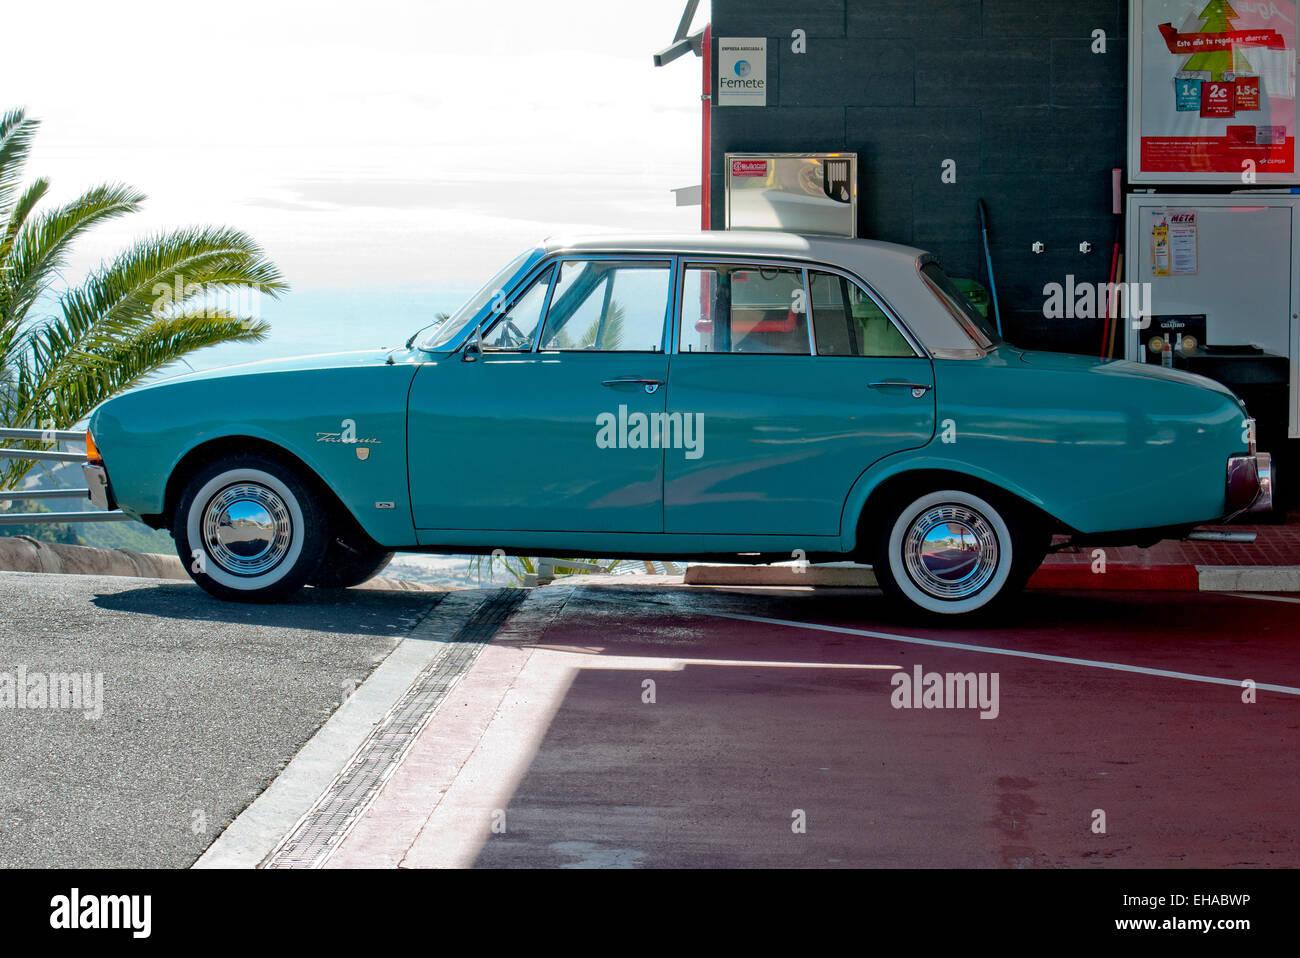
783,428
547,429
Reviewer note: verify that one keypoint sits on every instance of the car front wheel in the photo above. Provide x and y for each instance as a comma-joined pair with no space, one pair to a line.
951,552
348,563
249,529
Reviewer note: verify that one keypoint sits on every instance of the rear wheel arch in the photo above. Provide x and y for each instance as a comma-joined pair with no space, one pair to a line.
893,492
908,534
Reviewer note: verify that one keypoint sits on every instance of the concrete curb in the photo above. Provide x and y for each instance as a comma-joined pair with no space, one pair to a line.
257,829
25,554
1117,578
826,576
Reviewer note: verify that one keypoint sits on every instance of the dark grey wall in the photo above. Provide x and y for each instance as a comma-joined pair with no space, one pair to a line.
1008,88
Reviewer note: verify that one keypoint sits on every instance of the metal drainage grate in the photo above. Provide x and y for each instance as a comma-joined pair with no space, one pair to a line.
311,842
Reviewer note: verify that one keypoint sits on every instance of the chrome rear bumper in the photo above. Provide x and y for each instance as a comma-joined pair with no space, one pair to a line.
1250,483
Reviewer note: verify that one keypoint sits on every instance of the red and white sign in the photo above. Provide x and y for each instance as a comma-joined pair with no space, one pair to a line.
749,167
1240,55
1248,94
1219,98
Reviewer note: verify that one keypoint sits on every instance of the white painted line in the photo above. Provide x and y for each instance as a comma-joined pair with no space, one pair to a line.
257,830
1266,598
1015,653
586,660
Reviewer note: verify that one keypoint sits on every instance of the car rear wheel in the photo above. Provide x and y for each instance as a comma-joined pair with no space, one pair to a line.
249,528
951,552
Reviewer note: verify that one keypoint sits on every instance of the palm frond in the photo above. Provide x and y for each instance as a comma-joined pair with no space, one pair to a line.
16,132
88,378
42,245
22,209
148,308
164,276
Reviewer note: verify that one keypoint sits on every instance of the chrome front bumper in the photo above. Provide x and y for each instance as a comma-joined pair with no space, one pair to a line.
97,484
1250,483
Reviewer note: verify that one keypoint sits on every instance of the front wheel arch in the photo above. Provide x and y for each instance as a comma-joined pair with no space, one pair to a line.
215,449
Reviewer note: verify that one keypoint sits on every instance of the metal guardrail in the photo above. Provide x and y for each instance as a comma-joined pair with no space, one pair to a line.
47,436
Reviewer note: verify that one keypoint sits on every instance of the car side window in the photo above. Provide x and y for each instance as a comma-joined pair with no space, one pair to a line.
516,328
608,306
848,322
744,309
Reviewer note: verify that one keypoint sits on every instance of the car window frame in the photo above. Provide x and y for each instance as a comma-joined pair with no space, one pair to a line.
508,303
530,258
918,351
665,337
676,284
686,261
755,264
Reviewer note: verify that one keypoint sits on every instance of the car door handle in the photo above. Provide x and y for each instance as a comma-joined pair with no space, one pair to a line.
651,385
923,388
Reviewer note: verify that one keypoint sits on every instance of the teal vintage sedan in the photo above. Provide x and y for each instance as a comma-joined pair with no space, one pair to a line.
739,396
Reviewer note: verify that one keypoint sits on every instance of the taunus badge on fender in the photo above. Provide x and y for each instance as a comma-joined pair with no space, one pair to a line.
363,453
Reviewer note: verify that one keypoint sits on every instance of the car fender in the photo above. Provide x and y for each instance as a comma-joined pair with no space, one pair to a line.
347,425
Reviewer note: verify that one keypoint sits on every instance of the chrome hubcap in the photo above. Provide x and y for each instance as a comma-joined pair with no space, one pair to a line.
247,529
950,551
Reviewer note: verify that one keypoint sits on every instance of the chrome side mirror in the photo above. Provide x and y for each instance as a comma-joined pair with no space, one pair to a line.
474,348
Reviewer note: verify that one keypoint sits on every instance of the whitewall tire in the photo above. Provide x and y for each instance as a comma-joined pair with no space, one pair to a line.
249,528
949,552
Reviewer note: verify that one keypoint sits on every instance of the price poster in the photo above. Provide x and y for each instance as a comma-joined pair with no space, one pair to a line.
1174,242
1212,91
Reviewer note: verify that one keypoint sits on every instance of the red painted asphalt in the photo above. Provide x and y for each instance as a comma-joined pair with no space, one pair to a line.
1121,578
547,753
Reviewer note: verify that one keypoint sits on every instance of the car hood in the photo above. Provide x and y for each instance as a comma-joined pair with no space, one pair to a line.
346,360
1120,368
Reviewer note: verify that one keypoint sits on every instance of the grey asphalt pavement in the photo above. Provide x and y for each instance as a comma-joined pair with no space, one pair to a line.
204,703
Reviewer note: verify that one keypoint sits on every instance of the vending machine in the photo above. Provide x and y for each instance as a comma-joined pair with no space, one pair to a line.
795,192
1220,280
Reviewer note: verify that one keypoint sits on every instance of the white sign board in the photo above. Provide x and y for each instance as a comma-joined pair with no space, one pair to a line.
742,71
1234,264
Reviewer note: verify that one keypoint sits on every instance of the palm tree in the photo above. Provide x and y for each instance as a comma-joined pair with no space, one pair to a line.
122,323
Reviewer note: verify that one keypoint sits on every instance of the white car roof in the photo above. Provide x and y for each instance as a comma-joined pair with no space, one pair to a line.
890,269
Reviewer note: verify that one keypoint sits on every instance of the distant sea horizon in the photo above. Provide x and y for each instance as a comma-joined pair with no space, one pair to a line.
331,321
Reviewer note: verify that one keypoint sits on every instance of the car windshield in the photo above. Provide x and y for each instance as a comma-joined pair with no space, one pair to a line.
458,320
973,323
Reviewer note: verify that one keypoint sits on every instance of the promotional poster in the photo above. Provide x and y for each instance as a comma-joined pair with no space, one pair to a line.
1213,91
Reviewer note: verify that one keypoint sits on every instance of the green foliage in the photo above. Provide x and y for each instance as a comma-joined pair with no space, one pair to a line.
121,324
518,567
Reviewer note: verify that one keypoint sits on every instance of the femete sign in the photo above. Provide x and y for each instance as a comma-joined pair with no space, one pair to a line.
742,71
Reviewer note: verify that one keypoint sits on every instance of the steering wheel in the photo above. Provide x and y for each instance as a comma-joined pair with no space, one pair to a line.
512,337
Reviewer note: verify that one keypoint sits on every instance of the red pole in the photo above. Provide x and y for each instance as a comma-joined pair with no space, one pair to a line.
706,109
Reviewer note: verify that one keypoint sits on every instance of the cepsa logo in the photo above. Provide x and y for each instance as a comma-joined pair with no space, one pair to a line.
749,167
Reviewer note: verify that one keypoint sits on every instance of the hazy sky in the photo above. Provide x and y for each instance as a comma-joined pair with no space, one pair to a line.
381,145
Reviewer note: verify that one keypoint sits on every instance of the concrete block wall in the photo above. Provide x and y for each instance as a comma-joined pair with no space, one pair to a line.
1009,89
